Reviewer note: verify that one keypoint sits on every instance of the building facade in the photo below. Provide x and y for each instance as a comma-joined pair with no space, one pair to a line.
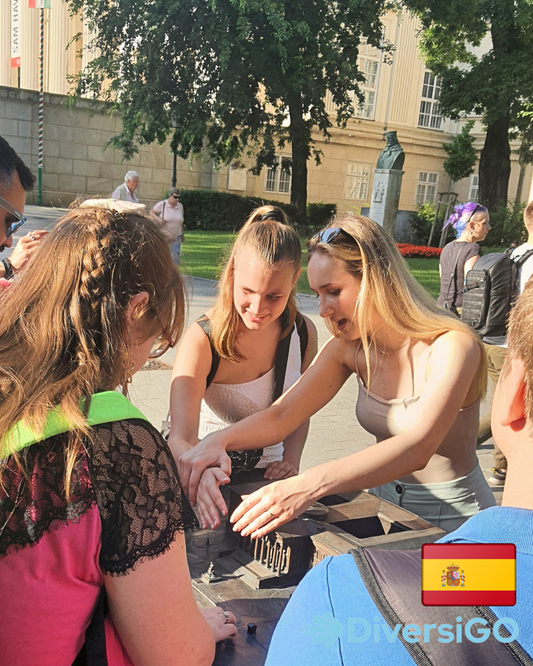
400,95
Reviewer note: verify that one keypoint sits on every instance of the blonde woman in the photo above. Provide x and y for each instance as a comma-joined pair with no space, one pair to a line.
250,344
90,503
421,374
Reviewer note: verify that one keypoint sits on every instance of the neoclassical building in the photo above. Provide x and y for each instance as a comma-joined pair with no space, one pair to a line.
401,95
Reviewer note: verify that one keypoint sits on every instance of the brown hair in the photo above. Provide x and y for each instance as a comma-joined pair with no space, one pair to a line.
62,330
387,286
520,342
268,232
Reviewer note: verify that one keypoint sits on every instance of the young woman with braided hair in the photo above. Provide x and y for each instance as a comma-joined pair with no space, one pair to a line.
228,361
90,502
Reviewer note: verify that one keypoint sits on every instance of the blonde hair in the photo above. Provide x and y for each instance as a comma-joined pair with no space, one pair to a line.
520,343
62,330
368,253
269,234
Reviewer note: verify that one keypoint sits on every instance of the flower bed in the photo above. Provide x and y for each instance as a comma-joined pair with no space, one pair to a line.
408,250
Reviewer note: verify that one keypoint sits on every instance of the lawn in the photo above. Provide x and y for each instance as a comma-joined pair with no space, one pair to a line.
203,255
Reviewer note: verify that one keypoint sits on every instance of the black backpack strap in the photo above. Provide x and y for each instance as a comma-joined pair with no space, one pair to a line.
93,652
393,580
205,323
301,327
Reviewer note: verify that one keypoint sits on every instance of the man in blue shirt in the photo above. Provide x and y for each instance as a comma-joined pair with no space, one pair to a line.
317,628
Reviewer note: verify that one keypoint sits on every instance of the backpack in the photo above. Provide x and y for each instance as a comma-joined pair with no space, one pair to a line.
491,289
392,579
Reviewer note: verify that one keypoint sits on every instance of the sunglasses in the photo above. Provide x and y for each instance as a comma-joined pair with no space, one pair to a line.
161,345
331,233
473,212
12,225
175,196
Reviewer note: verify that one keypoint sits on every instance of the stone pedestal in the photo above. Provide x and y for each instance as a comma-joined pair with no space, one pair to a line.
386,198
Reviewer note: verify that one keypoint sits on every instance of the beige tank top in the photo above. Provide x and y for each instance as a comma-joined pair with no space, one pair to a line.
386,418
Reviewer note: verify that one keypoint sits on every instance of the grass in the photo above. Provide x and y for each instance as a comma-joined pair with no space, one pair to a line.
203,255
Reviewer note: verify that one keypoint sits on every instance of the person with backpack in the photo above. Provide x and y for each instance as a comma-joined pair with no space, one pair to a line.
324,622
244,353
421,374
491,288
471,224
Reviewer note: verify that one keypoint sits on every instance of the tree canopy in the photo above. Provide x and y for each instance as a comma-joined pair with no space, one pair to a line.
229,76
462,155
496,83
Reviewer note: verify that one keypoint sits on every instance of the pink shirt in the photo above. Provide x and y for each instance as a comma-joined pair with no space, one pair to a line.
49,594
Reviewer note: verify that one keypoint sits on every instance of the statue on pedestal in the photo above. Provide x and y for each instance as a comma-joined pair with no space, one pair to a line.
392,156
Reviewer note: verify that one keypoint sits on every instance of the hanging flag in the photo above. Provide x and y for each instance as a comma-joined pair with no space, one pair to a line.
15,33
39,4
458,574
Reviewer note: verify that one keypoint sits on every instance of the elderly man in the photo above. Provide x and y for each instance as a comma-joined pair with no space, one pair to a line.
126,191
15,180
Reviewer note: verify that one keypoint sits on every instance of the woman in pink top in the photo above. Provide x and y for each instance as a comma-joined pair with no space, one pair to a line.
91,510
168,215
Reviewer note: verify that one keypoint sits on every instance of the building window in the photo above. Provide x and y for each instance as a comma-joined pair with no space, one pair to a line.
474,187
278,177
357,181
369,59
426,187
430,116
368,64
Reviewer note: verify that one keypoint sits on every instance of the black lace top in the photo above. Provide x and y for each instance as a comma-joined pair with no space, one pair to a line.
129,473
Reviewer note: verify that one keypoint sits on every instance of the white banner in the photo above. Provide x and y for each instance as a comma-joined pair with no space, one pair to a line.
15,33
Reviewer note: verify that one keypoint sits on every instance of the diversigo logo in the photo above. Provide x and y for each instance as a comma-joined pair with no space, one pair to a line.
328,630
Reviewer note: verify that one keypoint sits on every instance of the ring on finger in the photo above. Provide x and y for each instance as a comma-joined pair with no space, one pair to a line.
227,617
32,237
270,513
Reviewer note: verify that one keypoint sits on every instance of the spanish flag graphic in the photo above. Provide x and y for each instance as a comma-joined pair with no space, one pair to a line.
457,574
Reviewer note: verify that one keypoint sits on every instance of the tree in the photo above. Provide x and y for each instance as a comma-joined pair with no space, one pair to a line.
462,155
229,76
495,85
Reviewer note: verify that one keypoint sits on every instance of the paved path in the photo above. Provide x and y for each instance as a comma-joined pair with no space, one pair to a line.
334,431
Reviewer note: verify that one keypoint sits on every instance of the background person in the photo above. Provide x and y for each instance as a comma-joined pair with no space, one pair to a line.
496,348
91,501
128,190
421,374
471,224
168,214
15,180
335,586
255,310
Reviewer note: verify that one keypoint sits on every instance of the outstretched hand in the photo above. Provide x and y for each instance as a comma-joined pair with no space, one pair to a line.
209,499
269,507
281,469
222,622
193,463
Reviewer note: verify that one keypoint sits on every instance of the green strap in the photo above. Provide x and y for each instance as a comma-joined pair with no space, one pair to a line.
104,408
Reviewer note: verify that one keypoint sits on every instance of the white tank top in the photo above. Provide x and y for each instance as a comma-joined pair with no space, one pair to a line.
225,404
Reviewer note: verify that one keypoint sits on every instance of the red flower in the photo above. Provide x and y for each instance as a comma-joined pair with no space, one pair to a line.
408,250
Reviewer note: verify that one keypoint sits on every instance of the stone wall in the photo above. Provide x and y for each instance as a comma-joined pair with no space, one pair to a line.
75,161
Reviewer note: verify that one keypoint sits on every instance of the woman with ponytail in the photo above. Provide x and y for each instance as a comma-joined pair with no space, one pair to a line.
471,224
92,550
228,360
